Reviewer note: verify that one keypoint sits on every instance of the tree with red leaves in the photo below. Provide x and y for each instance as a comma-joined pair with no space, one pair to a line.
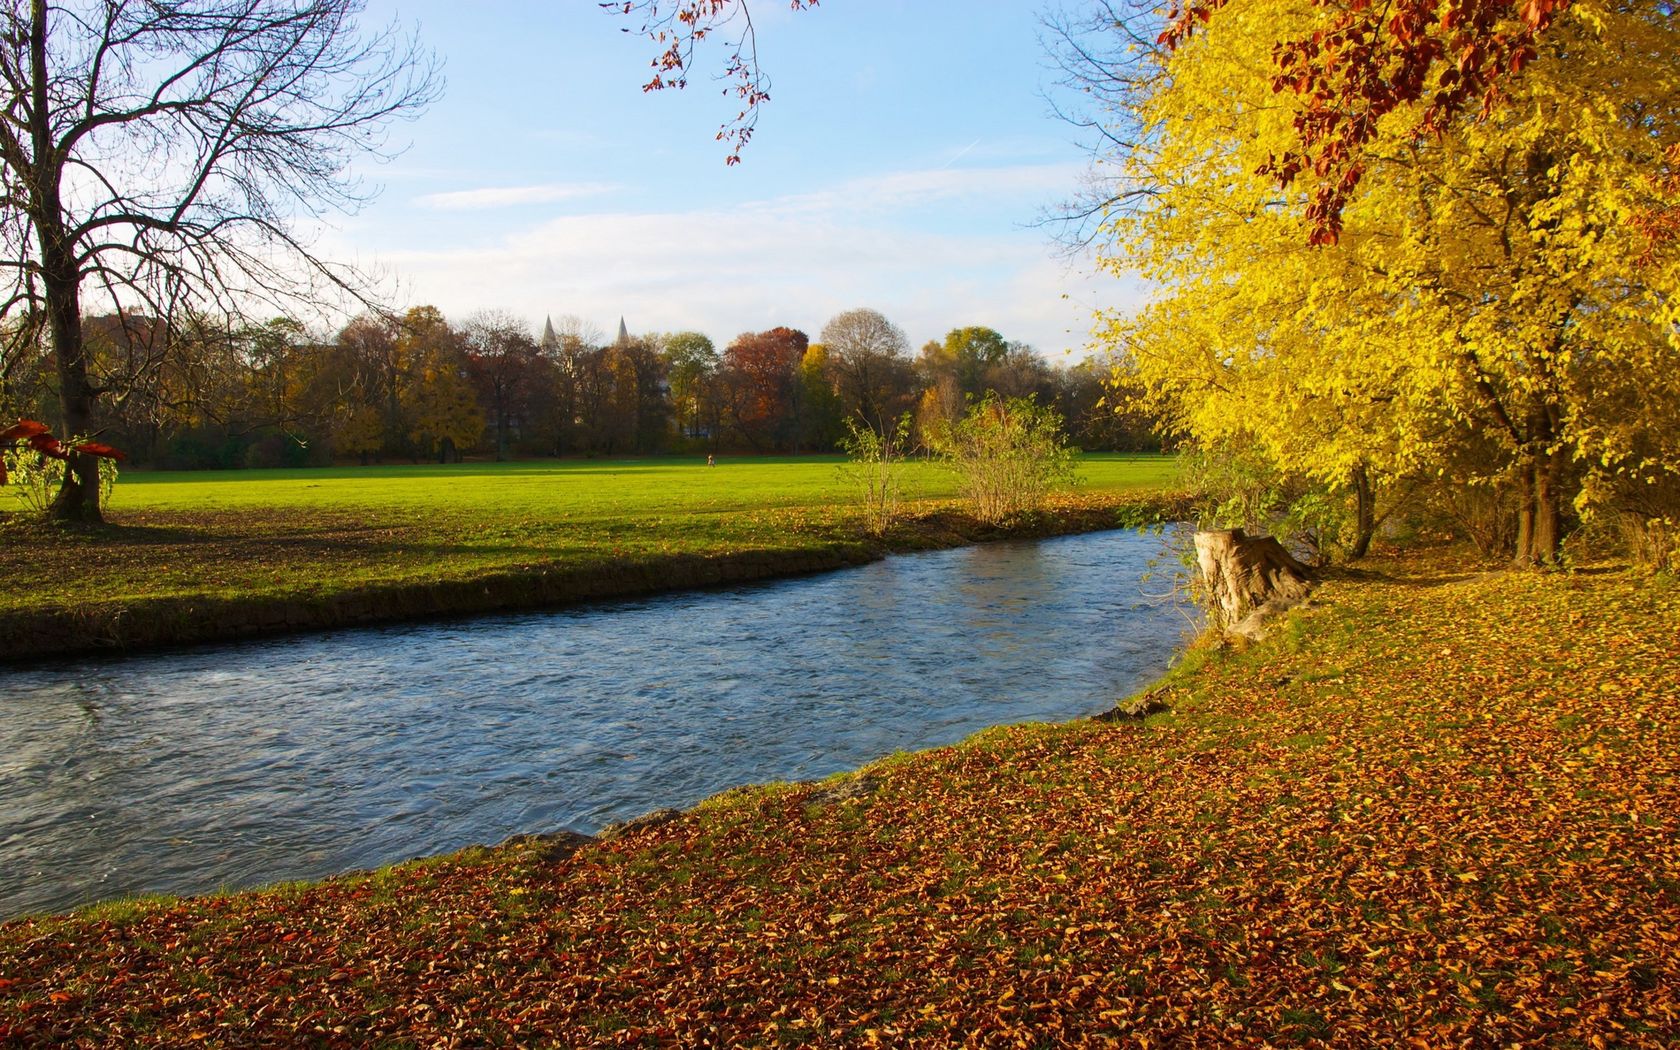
758,379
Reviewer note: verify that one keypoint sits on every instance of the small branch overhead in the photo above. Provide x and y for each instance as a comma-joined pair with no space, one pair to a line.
679,27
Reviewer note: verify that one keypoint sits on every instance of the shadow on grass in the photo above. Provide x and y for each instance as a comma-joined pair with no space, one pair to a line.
1362,575
1444,577
230,540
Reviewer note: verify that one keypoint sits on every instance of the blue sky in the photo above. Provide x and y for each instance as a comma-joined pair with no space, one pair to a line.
901,165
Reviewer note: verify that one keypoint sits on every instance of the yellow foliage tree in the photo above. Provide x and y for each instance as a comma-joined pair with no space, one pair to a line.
1493,312
436,394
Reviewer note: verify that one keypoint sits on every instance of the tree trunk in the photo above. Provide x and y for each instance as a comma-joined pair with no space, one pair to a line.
1540,515
61,279
1364,513
78,495
1249,578
1548,509
1525,516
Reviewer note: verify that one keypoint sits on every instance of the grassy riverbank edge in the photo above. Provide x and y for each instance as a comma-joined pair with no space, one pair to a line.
1394,822
56,631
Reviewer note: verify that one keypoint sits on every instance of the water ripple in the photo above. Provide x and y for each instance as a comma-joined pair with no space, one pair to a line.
300,757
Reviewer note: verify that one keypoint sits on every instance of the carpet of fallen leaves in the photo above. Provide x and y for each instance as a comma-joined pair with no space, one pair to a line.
1438,808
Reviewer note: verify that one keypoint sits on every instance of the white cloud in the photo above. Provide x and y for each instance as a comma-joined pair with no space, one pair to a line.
511,196
908,189
905,243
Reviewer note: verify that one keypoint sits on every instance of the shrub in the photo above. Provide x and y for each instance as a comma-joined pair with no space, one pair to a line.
1647,511
1008,453
873,466
1239,488
34,479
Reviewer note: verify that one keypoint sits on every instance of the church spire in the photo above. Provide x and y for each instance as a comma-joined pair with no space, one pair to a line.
623,333
550,339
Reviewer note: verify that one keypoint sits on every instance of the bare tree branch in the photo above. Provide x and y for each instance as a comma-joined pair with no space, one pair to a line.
166,152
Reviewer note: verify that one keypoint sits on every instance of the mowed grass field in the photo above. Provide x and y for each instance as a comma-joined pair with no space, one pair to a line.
572,489
304,533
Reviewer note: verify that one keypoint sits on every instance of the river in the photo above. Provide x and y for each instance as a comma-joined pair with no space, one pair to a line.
299,757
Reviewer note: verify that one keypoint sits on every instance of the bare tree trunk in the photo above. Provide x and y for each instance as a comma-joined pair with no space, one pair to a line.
78,496
61,278
1250,578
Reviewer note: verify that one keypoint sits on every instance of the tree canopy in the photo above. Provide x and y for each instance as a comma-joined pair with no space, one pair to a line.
1491,313
1351,65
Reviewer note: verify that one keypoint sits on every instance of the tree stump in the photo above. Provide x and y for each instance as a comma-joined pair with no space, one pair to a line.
1250,578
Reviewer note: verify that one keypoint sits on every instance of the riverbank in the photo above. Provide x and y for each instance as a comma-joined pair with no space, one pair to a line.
1439,805
230,767
217,557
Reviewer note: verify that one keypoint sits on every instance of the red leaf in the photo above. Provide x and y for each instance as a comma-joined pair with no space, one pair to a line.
23,429
48,446
97,448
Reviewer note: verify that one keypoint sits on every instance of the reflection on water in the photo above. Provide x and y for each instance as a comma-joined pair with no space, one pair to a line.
300,757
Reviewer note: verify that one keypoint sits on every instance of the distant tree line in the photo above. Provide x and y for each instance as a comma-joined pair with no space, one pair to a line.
419,387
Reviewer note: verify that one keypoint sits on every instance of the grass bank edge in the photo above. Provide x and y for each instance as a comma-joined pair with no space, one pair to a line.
57,629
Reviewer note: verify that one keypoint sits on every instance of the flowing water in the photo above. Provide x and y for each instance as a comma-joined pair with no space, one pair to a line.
238,765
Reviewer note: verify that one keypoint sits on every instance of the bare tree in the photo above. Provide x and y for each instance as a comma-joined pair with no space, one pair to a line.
570,330
869,358
158,156
1106,55
572,345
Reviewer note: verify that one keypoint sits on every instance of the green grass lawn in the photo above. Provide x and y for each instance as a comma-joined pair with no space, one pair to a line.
575,489
279,534
1440,807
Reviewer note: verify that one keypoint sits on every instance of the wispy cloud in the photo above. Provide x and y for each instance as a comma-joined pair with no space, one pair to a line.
923,187
933,249
512,196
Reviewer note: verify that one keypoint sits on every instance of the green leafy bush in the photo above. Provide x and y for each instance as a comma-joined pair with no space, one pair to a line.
1009,454
34,479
